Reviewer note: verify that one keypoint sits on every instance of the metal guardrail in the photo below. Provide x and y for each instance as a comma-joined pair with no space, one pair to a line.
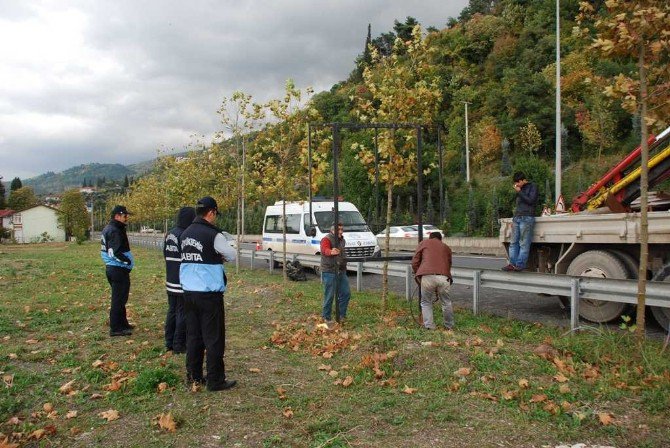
613,290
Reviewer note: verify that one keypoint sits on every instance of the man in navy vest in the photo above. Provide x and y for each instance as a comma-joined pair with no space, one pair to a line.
203,279
175,320
115,253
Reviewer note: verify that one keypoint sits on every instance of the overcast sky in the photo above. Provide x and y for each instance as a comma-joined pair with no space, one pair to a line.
115,81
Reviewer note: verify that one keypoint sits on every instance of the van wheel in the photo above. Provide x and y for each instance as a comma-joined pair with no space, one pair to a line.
662,315
317,270
599,264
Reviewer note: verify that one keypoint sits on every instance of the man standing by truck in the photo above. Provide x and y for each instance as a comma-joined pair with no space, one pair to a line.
334,272
522,223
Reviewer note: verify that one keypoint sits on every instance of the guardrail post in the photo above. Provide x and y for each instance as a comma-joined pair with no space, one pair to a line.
476,283
253,257
574,303
408,281
272,261
359,276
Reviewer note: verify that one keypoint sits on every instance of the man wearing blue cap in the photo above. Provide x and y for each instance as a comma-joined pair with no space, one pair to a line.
115,252
203,279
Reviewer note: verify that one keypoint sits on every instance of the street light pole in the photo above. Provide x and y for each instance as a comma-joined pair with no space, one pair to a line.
467,145
558,103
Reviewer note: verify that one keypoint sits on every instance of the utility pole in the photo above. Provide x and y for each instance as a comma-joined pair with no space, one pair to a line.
558,102
467,145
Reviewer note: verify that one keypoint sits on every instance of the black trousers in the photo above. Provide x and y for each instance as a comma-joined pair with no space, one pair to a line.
119,280
175,323
205,330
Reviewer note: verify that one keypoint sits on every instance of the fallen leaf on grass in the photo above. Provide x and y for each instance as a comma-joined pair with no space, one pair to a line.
114,386
71,414
288,413
333,373
523,383
605,418
564,388
509,395
8,380
538,398
109,415
14,421
551,408
162,387
463,371
347,381
327,355
5,443
281,392
255,370
166,422
32,341
409,390
429,344
67,387
97,363
325,367
453,344
560,378
48,407
96,396
13,356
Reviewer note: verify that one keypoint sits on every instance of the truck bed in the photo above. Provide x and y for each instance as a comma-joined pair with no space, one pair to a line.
585,227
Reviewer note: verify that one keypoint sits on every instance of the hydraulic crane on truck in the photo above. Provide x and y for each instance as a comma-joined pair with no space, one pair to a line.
621,185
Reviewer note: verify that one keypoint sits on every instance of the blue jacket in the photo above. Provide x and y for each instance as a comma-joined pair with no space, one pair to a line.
114,246
201,268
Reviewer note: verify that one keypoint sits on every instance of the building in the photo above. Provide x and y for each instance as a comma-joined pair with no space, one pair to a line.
37,224
6,223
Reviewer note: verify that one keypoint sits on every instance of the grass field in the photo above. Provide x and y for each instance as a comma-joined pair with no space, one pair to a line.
379,382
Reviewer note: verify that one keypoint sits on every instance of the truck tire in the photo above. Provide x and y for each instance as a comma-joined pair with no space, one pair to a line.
662,315
601,264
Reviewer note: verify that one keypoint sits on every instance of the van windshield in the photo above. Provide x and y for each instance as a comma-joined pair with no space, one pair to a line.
352,221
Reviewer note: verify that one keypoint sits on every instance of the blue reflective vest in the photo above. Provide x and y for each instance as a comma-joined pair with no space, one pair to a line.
201,268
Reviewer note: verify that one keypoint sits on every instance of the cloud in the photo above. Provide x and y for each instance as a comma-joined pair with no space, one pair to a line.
113,81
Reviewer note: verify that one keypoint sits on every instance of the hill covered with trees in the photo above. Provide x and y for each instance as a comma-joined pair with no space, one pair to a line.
498,57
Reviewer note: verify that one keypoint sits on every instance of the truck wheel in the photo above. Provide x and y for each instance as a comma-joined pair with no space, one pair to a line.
600,264
662,315
317,270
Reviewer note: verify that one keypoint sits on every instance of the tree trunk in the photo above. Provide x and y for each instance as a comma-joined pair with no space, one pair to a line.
387,247
283,231
644,185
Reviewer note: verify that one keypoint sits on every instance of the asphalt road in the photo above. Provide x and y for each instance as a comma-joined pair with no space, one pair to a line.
528,307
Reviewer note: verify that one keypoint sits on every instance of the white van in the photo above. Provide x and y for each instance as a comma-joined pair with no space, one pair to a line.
303,239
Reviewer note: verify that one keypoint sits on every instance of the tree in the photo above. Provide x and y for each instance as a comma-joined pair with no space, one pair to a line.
22,199
400,88
16,184
3,202
281,146
73,216
637,30
239,117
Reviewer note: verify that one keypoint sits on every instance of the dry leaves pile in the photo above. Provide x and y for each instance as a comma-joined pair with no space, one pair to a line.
309,337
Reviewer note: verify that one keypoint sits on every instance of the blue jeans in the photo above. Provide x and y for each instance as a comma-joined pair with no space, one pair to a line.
343,293
522,235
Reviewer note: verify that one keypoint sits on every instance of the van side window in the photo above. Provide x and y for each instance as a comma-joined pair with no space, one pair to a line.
292,223
273,224
305,220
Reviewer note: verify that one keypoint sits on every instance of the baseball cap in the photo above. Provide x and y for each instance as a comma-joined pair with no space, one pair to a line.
207,203
120,209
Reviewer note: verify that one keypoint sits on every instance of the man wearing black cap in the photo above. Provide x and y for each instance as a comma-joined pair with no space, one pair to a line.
115,252
203,279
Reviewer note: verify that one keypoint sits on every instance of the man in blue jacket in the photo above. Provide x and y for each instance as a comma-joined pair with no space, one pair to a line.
175,321
522,223
203,279
115,253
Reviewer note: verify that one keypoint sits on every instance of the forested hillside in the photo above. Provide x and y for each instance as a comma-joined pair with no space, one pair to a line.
498,57
92,174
